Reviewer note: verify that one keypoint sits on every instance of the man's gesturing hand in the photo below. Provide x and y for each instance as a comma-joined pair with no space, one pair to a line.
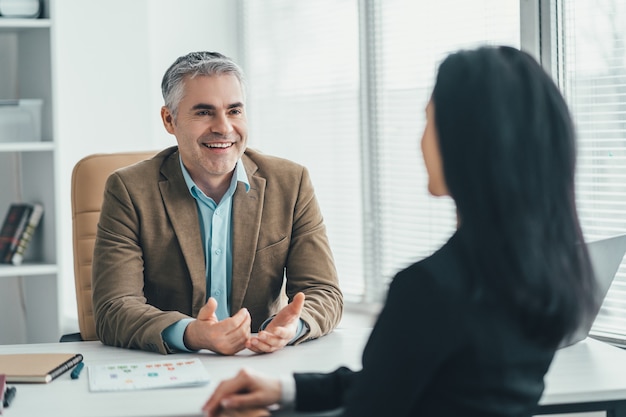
227,337
281,330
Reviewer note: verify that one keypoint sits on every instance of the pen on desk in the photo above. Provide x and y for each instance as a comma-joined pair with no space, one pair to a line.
76,371
8,396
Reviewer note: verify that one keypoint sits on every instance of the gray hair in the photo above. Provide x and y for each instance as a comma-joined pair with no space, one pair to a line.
191,65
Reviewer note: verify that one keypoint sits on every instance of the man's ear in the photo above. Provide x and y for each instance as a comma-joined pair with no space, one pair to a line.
168,119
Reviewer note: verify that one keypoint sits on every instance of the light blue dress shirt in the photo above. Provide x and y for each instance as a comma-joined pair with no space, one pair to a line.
216,231
215,227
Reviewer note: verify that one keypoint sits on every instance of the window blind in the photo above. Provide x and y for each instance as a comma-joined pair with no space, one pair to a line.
341,86
414,38
593,51
302,66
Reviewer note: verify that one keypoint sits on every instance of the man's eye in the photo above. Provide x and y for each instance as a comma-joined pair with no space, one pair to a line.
236,111
203,113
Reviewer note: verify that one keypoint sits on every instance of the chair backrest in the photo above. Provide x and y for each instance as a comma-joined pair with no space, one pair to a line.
88,179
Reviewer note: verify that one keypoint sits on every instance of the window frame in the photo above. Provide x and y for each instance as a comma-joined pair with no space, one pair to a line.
541,35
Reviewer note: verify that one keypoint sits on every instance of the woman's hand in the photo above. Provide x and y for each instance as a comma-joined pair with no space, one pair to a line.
246,392
248,412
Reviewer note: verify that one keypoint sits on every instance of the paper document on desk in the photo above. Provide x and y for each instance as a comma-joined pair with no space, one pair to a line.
147,375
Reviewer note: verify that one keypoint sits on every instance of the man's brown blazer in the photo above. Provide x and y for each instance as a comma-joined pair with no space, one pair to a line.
149,266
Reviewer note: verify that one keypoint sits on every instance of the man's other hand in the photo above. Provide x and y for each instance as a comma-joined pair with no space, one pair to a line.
281,330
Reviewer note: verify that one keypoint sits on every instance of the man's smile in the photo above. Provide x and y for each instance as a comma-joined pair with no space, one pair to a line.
220,145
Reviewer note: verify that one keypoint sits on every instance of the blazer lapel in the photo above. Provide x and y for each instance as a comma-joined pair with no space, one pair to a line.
246,223
183,213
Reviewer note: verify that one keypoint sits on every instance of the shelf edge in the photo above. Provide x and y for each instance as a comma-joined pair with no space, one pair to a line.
28,269
14,23
26,146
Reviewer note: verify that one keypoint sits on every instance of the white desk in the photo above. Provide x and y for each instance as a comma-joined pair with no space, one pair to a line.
588,376
71,398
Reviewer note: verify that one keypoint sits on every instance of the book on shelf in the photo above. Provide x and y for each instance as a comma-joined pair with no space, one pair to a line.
37,367
13,226
27,235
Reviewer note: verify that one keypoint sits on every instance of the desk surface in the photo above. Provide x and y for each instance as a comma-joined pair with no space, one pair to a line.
71,398
588,372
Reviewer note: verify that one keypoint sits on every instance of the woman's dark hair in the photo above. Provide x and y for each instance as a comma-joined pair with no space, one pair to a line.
508,148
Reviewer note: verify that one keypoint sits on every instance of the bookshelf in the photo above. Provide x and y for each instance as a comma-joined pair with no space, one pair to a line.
28,173
97,66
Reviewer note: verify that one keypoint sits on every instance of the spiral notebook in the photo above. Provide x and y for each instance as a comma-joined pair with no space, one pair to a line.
37,367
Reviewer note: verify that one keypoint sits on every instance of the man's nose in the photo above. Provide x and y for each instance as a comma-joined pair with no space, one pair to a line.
221,124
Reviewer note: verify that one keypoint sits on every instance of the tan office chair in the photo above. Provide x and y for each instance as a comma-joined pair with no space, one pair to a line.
88,179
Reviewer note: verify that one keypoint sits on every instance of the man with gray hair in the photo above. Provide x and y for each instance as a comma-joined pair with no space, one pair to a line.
209,240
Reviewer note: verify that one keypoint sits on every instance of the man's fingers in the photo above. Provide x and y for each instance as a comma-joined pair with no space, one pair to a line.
207,312
294,308
298,301
257,346
241,316
267,342
289,314
277,334
261,347
237,326
232,333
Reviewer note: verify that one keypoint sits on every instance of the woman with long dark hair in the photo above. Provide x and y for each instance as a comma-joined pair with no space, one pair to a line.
472,329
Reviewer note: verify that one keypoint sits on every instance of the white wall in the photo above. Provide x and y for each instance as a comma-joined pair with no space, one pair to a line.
108,60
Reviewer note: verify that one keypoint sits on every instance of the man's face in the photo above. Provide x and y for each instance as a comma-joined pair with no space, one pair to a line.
210,127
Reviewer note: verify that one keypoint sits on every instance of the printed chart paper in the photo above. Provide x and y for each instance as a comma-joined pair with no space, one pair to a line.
147,375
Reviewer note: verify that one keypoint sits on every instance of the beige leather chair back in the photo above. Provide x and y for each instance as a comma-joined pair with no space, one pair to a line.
88,179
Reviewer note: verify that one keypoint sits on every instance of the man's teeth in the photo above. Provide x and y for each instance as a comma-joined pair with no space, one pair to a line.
218,145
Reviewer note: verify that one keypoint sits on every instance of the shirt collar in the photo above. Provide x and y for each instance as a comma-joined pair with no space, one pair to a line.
240,175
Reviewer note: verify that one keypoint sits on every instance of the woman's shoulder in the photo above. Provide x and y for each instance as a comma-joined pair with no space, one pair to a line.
443,271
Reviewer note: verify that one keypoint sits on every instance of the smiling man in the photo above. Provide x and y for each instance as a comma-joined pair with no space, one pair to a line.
210,241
